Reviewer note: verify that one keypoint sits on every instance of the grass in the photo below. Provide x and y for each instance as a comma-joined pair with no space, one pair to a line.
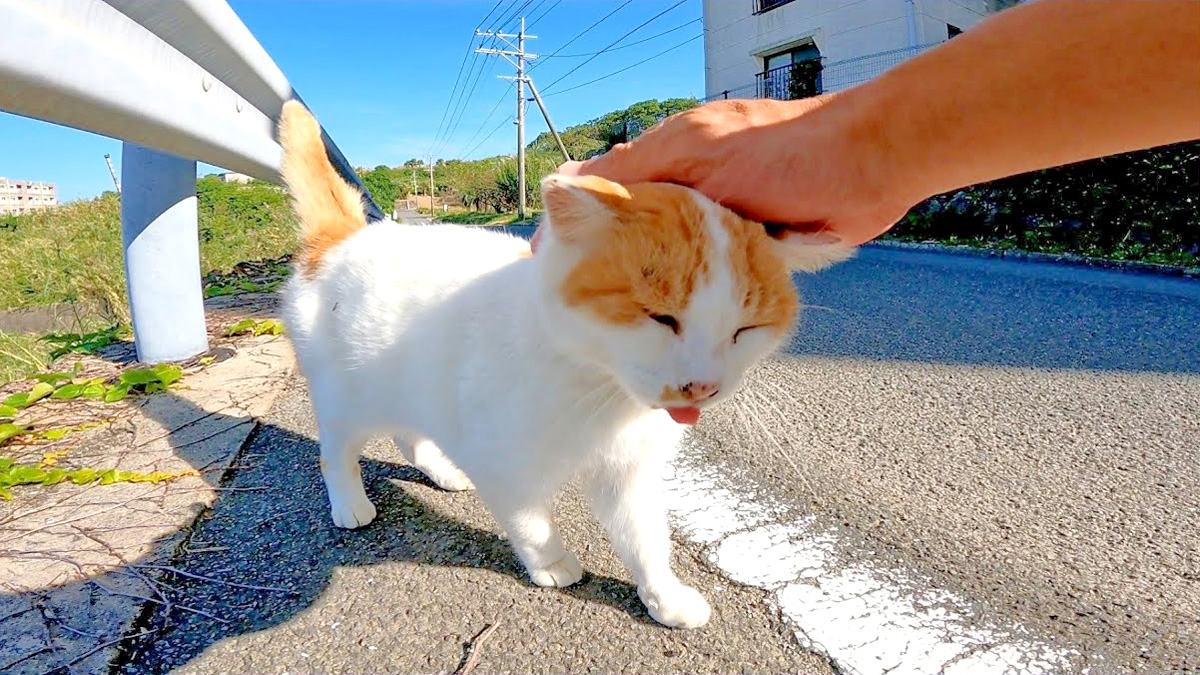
22,355
72,256
483,218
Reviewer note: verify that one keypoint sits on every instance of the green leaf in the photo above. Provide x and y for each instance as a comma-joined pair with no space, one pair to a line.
53,378
94,390
68,391
269,326
7,431
168,373
23,474
5,495
7,412
54,477
116,393
54,434
108,477
138,376
5,463
240,327
40,391
83,476
17,400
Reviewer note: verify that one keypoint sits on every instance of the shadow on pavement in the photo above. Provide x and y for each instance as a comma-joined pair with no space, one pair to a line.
894,305
271,529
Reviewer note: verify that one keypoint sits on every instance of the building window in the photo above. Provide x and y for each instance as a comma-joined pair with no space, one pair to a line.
761,6
952,31
791,74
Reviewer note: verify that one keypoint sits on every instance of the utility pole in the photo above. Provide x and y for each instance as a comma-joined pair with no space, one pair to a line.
516,55
112,172
431,183
554,132
521,121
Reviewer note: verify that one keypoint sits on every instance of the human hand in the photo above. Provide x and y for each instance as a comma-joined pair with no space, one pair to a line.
791,163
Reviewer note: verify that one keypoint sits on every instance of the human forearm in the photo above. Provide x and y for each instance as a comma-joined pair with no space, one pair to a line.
1044,84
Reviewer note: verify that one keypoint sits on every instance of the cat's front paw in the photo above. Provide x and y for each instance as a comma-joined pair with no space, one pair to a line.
676,605
352,513
561,574
451,480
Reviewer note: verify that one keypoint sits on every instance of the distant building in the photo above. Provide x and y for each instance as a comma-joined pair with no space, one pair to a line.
787,49
232,177
23,196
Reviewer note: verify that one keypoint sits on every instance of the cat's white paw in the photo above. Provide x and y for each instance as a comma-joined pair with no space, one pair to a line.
451,480
561,574
351,513
676,605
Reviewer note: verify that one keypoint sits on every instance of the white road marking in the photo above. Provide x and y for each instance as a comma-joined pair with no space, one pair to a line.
867,620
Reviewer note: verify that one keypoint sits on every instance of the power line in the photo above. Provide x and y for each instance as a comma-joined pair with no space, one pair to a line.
618,72
509,16
615,42
461,109
490,134
458,77
534,22
631,44
584,32
491,113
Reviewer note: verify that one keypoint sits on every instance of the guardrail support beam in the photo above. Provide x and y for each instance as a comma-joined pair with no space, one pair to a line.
162,254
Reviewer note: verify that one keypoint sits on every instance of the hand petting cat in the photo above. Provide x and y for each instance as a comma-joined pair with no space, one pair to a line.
849,165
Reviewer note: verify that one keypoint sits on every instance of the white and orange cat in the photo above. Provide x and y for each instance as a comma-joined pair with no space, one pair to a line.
514,373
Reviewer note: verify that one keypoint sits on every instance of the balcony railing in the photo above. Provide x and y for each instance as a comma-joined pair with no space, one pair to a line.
793,81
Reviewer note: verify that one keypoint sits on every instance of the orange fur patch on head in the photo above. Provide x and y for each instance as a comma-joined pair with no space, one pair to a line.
647,261
768,296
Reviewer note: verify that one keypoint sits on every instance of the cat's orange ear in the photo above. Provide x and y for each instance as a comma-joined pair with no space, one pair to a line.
809,252
579,205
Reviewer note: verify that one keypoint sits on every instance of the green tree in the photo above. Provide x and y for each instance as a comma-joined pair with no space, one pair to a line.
381,182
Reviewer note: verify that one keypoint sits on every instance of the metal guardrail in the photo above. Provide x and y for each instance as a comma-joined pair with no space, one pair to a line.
178,82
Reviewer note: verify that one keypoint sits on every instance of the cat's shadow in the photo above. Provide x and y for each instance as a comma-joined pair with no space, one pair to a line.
271,528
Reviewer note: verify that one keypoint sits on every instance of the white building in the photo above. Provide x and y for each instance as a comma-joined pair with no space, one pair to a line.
234,177
23,196
796,48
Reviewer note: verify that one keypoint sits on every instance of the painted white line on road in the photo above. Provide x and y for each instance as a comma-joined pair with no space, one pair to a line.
867,620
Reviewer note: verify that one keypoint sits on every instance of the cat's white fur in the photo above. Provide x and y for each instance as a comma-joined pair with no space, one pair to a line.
460,348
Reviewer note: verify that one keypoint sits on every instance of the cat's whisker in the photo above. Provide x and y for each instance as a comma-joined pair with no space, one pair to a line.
783,454
784,394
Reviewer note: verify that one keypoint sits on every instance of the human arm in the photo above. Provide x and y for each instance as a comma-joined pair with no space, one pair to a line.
1038,85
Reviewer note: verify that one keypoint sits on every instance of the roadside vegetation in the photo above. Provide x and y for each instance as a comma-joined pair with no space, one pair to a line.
1142,206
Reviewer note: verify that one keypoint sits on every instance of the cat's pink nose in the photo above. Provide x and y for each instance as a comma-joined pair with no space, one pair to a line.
698,391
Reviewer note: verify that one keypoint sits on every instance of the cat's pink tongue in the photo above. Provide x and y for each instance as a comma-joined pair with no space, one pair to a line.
684,415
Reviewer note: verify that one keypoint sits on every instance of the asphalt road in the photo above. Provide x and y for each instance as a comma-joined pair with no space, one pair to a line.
1024,436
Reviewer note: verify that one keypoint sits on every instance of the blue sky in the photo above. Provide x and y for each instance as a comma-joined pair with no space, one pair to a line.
378,74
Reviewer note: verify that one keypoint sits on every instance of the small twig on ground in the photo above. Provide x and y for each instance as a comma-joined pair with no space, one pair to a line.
201,577
67,666
474,648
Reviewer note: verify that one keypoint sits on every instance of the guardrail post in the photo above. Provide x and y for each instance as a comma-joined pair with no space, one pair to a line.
162,254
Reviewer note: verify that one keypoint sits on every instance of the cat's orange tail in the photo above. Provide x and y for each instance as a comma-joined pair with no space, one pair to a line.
329,209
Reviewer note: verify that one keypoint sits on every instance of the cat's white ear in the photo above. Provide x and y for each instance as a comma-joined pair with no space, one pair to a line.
808,252
579,205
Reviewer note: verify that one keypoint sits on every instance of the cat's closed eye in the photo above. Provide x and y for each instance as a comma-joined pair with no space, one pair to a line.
743,329
668,321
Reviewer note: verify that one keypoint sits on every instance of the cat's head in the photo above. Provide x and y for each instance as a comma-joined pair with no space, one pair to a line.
671,293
